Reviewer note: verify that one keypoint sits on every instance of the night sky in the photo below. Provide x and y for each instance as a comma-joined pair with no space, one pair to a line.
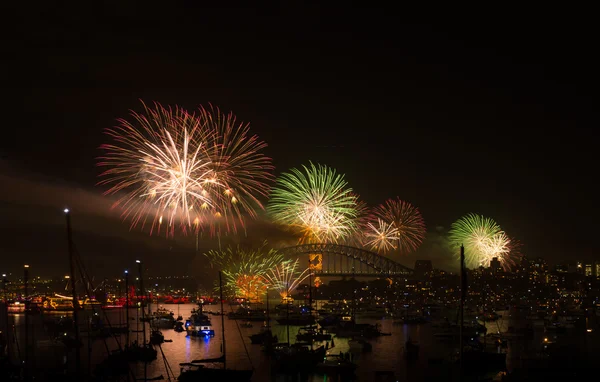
490,116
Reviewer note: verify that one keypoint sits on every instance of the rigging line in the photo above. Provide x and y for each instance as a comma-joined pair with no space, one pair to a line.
83,273
16,341
242,337
89,285
167,365
86,283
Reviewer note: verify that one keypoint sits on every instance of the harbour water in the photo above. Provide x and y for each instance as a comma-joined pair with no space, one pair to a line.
387,354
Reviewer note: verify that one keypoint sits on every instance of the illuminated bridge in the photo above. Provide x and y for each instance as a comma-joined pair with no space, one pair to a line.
344,260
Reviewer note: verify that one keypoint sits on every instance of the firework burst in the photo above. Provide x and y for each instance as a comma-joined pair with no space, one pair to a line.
483,240
286,277
382,236
245,271
402,220
315,201
361,222
241,172
173,167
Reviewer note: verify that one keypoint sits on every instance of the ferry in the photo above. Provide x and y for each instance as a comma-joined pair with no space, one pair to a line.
16,307
57,304
90,303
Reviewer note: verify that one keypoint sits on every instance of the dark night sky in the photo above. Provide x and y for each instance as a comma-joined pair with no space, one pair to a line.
495,116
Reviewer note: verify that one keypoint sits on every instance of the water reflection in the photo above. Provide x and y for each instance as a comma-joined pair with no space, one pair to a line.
387,353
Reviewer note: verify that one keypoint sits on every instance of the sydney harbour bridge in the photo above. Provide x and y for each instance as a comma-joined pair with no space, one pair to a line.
344,260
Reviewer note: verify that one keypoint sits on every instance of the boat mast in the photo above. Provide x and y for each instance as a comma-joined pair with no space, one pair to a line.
287,303
222,321
268,316
309,289
310,300
463,286
353,300
73,291
25,293
127,304
139,263
8,352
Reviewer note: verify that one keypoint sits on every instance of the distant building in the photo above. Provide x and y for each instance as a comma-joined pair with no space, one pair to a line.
561,268
495,265
588,270
423,267
576,268
597,269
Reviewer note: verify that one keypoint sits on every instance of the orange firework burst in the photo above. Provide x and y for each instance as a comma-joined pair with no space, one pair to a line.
396,224
251,286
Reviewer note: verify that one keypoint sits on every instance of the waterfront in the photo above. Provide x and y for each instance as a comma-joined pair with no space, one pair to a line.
387,353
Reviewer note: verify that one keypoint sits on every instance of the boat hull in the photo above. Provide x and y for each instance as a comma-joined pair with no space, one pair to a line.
210,374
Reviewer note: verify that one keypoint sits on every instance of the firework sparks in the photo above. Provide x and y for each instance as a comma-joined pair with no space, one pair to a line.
316,201
174,167
241,172
286,277
246,271
381,236
402,217
483,240
361,221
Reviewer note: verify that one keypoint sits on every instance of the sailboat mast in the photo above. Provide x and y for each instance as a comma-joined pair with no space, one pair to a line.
310,299
353,299
127,304
8,351
268,316
222,321
25,294
73,291
463,286
139,263
309,289
143,315
287,304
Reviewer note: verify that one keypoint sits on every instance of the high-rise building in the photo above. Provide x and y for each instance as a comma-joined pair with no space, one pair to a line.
561,268
495,265
597,269
588,270
576,268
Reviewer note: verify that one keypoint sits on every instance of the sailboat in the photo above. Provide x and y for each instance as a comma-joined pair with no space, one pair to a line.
197,371
474,359
265,336
311,332
293,358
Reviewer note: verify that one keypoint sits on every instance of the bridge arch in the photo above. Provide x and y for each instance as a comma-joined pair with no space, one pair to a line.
382,266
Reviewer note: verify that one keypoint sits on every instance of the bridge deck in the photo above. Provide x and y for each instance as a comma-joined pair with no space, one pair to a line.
380,266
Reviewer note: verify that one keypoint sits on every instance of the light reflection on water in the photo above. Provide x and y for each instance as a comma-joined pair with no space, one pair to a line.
387,351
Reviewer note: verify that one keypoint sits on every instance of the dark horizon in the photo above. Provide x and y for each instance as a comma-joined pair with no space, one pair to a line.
491,117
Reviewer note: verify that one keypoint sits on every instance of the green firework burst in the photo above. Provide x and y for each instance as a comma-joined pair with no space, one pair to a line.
317,201
483,240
